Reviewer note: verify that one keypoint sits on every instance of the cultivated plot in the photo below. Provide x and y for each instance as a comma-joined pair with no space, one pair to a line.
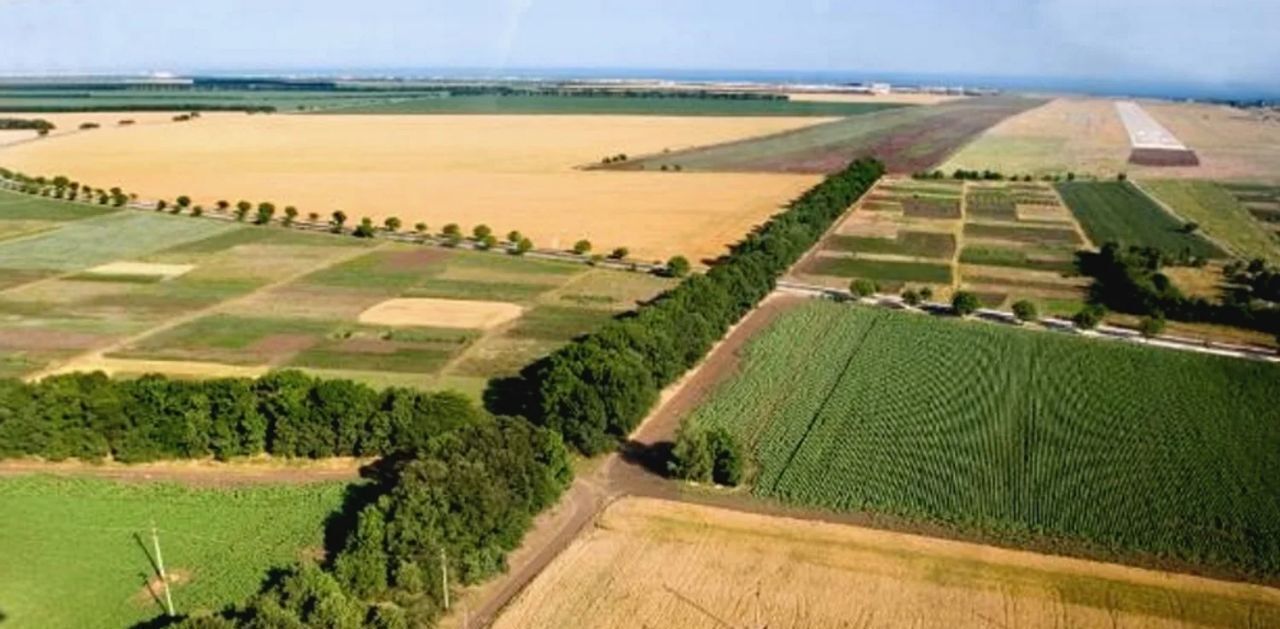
509,172
651,563
1117,211
89,541
1090,444
1221,215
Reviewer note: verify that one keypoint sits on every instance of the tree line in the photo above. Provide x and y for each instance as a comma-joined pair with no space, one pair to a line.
39,125
595,390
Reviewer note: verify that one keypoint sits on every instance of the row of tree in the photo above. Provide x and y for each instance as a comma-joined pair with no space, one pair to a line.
961,174
287,413
39,125
595,390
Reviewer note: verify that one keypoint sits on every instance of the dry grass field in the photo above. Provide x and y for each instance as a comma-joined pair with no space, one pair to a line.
1233,144
510,172
893,97
651,563
1068,134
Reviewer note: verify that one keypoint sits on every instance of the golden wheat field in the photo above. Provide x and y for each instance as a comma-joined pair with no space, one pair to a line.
652,563
510,172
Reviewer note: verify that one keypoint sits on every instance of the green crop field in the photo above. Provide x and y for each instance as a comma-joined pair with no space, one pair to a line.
908,243
77,553
884,271
1040,236
24,207
102,239
1013,258
1115,211
1017,434
1219,214
616,105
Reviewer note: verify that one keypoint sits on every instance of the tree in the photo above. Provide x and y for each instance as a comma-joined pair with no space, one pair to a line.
290,215
161,205
313,217
926,294
421,228
1089,317
451,229
1190,227
726,457
242,209
863,287
1025,311
1152,326
582,247
183,201
1122,177
620,253
364,229
337,222
524,246
910,297
265,213
964,303
197,210
488,242
691,457
392,224
514,236
481,231
677,266
223,205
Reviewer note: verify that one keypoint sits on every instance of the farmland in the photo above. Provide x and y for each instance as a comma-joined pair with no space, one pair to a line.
1220,215
129,291
907,140
1262,202
88,541
614,105
1023,436
509,172
651,563
1119,212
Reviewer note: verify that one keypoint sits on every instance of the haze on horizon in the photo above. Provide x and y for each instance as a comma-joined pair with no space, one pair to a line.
1194,42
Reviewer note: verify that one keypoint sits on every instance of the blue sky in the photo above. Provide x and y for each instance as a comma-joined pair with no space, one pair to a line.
1193,41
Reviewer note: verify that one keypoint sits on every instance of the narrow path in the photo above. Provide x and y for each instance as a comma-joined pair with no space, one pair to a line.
199,473
98,354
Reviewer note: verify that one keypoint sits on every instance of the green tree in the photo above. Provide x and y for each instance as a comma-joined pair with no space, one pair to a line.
726,456
481,231
266,211
691,457
910,297
392,224
338,220
1089,317
451,229
161,205
421,228
524,246
290,215
582,247
1025,310
964,303
488,242
677,266
863,287
242,210
1152,326
223,205
365,229
514,236
183,201
620,253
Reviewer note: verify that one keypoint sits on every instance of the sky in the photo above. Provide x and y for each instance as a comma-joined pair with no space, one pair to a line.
1204,42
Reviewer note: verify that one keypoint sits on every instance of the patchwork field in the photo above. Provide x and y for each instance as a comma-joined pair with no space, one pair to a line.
903,232
1026,436
907,140
89,541
509,172
1221,216
650,563
1262,202
616,105
130,292
1117,211
1020,243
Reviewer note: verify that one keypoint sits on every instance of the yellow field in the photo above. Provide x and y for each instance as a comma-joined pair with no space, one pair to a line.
510,172
1231,143
892,97
652,563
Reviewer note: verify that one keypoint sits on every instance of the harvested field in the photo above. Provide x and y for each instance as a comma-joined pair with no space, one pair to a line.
930,207
1066,135
1028,437
651,563
510,172
907,140
141,269
537,104
915,244
1219,214
1119,212
1231,144
1026,234
441,313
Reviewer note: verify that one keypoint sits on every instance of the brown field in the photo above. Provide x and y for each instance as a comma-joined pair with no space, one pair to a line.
510,172
443,313
893,97
652,563
1232,144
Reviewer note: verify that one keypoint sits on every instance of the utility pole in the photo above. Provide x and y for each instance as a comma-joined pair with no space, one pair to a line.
164,578
444,572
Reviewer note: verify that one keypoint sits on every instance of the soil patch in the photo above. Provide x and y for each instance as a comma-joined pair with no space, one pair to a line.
441,313
141,269
153,592
45,339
